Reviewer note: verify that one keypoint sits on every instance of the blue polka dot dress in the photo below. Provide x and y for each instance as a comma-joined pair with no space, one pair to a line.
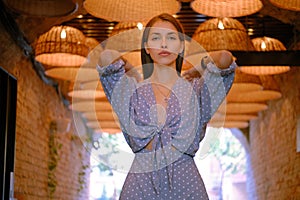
167,170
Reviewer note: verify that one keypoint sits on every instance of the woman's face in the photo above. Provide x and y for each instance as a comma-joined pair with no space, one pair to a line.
163,43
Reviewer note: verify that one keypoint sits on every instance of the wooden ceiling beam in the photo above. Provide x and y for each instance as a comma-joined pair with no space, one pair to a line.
267,58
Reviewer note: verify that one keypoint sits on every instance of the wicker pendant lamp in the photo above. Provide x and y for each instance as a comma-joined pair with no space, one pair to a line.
240,117
89,85
229,124
255,96
218,116
230,120
90,106
42,8
242,108
293,5
78,90
107,130
130,10
81,91
243,83
266,44
267,90
103,124
103,115
87,95
92,43
134,58
270,84
82,71
126,26
223,33
131,32
226,8
106,119
95,49
73,74
219,120
62,46
194,53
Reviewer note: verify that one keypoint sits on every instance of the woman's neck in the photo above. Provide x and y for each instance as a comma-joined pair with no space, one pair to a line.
165,75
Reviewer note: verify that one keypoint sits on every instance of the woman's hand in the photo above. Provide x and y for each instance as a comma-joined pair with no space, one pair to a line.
108,56
191,73
222,58
132,71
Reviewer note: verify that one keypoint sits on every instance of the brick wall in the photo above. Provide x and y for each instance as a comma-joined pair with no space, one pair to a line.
274,160
37,105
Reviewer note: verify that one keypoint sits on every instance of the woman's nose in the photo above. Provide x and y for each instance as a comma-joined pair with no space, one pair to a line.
163,43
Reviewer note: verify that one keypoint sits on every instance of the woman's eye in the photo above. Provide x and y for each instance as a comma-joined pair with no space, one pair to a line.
172,38
155,38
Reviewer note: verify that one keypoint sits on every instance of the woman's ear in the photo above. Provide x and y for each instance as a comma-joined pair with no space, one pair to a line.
146,47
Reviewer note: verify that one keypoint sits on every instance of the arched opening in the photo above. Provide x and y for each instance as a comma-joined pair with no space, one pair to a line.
222,161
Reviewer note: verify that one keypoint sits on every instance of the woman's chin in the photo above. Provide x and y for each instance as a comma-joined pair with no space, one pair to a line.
166,62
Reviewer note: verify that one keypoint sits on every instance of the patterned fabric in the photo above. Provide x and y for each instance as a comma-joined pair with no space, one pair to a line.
168,170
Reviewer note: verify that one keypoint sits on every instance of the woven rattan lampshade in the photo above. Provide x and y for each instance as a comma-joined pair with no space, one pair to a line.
103,124
49,8
219,120
287,4
87,94
266,44
125,26
218,117
130,10
89,85
73,74
90,106
91,43
223,33
242,108
244,83
194,53
255,96
95,50
103,115
134,58
226,8
231,120
107,130
83,91
265,92
126,36
62,46
229,124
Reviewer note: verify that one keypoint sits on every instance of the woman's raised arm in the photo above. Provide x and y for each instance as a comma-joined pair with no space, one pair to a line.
221,58
108,56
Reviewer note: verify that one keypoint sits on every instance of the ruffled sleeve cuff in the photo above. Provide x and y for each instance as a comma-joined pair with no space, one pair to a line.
211,67
111,68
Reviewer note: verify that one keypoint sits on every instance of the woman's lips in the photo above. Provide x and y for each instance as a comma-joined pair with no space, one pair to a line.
164,53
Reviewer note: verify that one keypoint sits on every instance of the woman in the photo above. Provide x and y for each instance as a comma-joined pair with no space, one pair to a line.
164,117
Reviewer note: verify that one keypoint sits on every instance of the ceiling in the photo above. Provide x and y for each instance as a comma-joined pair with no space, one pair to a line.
270,21
262,25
